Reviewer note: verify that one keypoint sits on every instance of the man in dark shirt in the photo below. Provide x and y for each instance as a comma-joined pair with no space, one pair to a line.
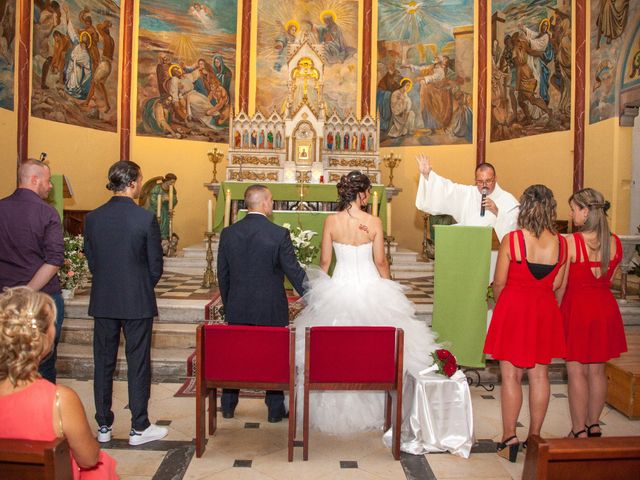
31,244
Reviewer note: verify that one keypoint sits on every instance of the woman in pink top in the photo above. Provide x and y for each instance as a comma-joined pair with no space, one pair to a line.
27,332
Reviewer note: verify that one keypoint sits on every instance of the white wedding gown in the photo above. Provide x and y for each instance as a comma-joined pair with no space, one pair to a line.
356,295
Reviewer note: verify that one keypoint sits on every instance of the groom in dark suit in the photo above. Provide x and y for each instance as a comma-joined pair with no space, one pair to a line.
254,255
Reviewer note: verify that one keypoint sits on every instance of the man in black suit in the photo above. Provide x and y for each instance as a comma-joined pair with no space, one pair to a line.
122,245
254,255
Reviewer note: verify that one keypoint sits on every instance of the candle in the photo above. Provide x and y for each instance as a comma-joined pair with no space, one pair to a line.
374,210
227,208
159,207
210,215
170,197
389,218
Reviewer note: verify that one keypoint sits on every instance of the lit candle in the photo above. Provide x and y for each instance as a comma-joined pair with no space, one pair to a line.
374,210
388,218
227,208
210,215
159,208
170,197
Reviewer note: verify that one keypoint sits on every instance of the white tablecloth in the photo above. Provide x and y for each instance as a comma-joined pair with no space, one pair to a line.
437,415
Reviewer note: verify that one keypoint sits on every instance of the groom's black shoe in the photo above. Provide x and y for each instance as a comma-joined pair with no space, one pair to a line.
227,414
277,418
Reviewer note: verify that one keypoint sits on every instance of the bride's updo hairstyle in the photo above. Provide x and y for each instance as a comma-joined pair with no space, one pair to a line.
25,318
350,186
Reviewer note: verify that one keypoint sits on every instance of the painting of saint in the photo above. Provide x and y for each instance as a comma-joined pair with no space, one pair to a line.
75,62
425,60
330,26
7,52
186,61
531,68
614,23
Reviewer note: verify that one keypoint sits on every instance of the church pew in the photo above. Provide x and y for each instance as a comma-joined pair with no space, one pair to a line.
35,460
601,458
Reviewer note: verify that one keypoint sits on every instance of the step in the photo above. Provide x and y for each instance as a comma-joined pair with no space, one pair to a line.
79,331
403,255
169,310
167,364
630,311
171,263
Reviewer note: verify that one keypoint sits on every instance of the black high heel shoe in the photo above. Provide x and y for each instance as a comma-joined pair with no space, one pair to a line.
593,434
573,434
508,450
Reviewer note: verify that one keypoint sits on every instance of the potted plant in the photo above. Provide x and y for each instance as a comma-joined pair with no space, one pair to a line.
75,269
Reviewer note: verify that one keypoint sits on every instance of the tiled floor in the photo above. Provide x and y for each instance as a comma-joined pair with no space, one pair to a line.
241,451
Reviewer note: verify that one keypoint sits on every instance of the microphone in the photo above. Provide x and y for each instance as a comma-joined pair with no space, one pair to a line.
484,195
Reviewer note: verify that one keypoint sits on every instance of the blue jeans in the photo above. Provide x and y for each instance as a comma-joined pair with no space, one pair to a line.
48,365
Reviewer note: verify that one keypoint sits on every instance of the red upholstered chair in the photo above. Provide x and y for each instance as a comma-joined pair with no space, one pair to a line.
230,356
355,358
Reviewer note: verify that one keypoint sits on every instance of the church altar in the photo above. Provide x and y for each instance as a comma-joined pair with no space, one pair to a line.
319,198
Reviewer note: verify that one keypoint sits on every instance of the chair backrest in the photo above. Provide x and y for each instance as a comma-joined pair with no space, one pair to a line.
32,459
246,353
585,458
351,354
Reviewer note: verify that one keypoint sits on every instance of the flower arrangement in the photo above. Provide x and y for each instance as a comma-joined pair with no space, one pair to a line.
444,363
75,268
301,239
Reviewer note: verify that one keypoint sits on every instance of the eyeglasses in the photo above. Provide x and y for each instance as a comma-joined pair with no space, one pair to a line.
489,181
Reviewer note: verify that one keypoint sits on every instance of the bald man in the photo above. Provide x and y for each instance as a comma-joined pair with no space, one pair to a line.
253,257
31,243
440,196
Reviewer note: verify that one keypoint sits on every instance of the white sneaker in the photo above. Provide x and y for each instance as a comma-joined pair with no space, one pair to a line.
104,433
150,434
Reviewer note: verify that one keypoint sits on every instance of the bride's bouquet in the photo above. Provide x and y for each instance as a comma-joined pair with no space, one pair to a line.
301,239
444,363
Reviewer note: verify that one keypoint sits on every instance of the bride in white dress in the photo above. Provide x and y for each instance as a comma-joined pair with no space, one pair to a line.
359,293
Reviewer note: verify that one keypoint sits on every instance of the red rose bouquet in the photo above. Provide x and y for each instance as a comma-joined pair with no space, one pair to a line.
444,363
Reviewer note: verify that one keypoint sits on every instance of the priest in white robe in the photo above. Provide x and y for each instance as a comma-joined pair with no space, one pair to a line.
440,196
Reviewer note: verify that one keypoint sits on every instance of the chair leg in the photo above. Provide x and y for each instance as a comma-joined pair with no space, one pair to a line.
387,410
397,425
292,422
201,401
213,411
305,425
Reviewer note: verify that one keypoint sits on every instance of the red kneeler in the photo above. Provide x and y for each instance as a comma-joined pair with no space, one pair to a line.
230,356
355,358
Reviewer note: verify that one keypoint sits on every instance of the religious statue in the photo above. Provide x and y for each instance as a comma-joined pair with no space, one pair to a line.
155,196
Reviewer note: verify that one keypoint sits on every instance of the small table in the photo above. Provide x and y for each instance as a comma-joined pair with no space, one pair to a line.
437,415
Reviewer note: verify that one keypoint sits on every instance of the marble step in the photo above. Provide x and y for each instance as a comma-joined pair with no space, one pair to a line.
171,264
167,364
79,331
169,310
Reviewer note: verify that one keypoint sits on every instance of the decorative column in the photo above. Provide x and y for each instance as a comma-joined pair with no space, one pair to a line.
481,127
125,98
24,73
365,95
579,102
245,56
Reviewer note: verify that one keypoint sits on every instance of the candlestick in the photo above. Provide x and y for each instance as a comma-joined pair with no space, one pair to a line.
391,162
374,209
389,218
209,278
159,207
209,215
227,208
215,157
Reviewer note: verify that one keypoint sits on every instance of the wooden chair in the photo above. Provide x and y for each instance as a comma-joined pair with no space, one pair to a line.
355,358
242,357
35,460
602,458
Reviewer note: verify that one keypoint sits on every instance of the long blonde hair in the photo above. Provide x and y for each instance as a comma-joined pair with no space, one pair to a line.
596,221
25,318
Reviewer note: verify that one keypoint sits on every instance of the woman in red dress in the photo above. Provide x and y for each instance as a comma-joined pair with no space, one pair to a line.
526,330
593,325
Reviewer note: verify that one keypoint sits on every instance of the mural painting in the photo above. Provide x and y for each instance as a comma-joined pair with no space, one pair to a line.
330,24
612,26
7,51
75,62
530,68
186,68
425,72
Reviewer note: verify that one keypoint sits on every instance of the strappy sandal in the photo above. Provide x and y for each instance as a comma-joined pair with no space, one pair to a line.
508,451
573,434
593,434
